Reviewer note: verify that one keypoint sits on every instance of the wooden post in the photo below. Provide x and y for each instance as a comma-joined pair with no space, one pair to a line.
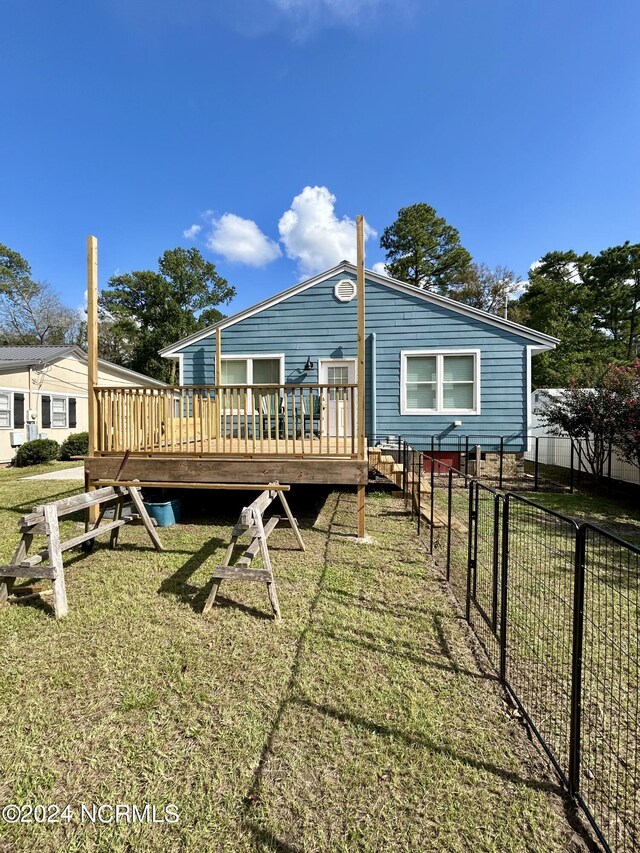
92,340
92,354
60,606
218,401
361,363
218,357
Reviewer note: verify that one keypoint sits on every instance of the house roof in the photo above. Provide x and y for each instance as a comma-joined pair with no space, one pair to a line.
31,355
16,357
542,341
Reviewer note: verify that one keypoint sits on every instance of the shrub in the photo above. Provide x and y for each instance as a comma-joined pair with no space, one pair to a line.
76,444
37,451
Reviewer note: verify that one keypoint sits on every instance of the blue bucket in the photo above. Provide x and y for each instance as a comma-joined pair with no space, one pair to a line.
165,513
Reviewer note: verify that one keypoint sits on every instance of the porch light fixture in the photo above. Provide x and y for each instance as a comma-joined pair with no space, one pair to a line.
309,364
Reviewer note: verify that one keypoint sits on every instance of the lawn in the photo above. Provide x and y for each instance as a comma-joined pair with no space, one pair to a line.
8,472
618,514
362,722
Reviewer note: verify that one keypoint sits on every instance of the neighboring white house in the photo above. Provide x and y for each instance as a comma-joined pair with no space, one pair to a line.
43,392
556,450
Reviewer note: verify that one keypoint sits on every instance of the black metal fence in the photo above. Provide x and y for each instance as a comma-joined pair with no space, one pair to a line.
556,606
528,461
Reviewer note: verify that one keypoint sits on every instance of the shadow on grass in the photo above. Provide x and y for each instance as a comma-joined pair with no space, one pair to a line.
228,603
428,744
35,602
410,656
178,585
376,605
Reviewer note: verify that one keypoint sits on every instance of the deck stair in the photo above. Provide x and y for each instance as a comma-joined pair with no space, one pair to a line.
386,465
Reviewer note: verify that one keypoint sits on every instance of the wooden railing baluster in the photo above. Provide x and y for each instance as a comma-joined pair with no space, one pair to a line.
304,419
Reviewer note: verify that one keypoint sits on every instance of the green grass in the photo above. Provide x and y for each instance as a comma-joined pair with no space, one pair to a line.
620,516
12,473
361,722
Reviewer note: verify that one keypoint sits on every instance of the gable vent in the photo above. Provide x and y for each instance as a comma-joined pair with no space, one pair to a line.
345,290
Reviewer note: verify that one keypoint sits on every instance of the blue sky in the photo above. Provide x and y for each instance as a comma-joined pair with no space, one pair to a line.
269,124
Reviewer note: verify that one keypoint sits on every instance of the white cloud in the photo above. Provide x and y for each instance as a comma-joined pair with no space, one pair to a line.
380,267
241,241
313,235
309,15
192,232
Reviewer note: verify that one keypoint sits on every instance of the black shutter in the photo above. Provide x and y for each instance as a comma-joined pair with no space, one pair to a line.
18,411
46,412
72,412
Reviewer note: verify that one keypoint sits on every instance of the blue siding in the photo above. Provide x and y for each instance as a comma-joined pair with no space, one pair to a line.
313,323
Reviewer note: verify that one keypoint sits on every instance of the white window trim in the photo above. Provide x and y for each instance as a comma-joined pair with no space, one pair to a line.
249,359
10,394
439,410
66,411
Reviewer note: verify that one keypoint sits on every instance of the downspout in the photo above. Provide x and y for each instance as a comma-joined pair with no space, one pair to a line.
374,406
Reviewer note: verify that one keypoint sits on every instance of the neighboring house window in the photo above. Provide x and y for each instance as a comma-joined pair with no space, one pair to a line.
446,382
5,409
55,412
252,370
59,412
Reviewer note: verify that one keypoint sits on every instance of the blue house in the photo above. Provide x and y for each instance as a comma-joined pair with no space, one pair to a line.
433,365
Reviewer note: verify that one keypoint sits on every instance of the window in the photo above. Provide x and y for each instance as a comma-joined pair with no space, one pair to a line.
338,375
440,382
252,370
5,409
59,412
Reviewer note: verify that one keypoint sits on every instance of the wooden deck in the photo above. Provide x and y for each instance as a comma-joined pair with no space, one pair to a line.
224,434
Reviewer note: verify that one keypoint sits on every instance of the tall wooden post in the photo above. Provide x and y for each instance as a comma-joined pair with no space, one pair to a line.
92,340
361,365
219,425
218,357
92,359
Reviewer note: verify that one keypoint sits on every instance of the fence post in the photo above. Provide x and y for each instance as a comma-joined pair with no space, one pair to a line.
501,461
495,562
466,461
576,662
536,464
419,486
472,489
413,481
449,498
571,466
433,498
504,580
405,475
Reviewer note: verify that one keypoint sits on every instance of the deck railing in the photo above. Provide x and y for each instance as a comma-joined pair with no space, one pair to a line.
239,420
